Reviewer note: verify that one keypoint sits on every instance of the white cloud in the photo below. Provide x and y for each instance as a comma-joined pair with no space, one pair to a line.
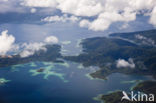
30,48
75,7
105,19
39,3
84,23
124,26
105,12
80,7
63,18
99,24
33,10
153,17
51,39
121,63
26,53
145,40
6,42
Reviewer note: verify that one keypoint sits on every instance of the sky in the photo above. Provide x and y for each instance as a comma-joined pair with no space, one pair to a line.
96,15
55,18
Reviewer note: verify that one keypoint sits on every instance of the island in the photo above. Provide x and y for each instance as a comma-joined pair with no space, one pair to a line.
52,54
136,51
105,52
147,87
127,53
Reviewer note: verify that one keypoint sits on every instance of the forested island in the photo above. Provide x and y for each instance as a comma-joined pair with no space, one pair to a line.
136,49
51,54
115,97
104,52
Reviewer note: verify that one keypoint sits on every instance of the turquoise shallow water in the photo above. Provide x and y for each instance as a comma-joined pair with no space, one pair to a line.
58,83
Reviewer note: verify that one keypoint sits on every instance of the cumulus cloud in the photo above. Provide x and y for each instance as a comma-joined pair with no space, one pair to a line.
121,63
33,10
107,11
80,7
145,40
6,42
51,39
84,23
30,48
104,12
39,3
105,19
92,7
153,17
63,18
124,26
76,7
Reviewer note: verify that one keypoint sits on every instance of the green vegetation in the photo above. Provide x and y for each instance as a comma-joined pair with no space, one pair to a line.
145,37
148,87
114,97
104,52
52,53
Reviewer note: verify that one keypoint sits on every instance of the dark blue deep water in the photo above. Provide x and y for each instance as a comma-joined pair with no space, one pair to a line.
74,87
59,83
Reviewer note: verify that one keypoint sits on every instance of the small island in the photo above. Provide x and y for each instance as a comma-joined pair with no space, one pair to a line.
3,81
115,54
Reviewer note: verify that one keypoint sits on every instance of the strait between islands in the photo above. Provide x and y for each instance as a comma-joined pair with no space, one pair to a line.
103,52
